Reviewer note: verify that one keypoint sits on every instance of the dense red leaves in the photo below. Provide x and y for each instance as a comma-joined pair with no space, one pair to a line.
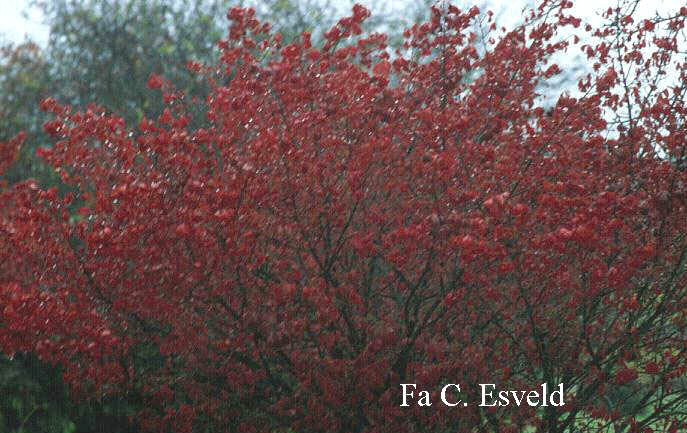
348,222
9,151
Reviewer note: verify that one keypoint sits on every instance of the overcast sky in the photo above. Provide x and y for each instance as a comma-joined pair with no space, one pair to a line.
14,26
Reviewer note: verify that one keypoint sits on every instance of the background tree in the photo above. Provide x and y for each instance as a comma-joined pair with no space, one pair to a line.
24,80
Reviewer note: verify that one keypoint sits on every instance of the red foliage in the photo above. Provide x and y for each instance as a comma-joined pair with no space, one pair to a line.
9,151
349,222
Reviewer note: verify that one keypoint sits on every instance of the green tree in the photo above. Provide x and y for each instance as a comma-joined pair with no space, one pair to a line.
24,80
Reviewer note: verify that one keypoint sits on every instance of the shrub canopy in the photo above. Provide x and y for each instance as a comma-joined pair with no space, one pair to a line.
351,220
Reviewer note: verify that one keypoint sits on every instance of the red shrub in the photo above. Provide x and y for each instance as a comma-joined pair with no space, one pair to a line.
350,221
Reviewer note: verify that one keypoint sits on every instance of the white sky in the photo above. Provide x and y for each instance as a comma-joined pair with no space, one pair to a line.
14,26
